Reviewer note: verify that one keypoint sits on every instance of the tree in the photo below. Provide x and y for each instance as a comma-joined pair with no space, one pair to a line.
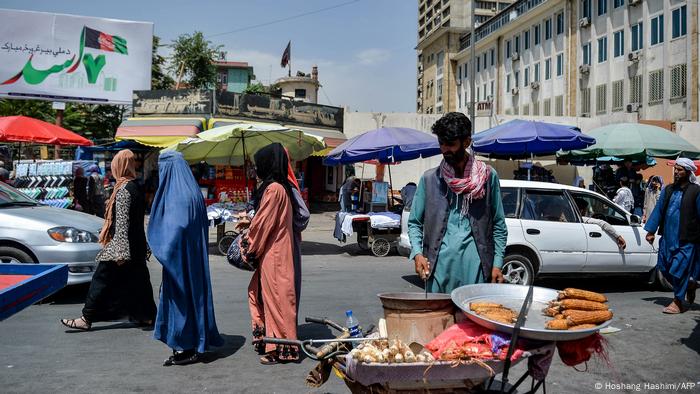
193,58
255,88
159,79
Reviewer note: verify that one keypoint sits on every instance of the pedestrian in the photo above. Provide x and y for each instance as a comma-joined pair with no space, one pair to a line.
345,193
185,320
457,227
80,198
96,191
121,282
583,208
624,197
676,216
4,174
272,293
299,223
651,195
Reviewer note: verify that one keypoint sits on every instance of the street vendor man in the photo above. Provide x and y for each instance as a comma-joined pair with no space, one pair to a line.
457,227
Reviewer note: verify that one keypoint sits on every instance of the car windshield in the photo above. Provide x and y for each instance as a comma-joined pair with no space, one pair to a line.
10,196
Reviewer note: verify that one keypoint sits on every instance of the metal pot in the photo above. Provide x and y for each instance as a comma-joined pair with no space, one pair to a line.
411,317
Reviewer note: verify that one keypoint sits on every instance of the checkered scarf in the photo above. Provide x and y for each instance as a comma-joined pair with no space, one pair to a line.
473,183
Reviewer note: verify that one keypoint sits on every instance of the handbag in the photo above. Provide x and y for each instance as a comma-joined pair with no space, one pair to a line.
235,254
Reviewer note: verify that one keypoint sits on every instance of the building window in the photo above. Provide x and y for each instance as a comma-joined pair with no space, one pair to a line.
559,106
536,32
586,49
517,44
478,63
508,49
526,77
516,80
602,49
526,40
484,61
459,100
547,107
601,93
439,109
493,57
548,29
619,43
466,70
439,90
560,23
223,77
484,97
299,93
507,82
636,89
586,8
679,22
440,62
560,65
637,37
466,100
459,72
679,85
602,7
478,93
536,77
657,29
548,69
536,108
656,87
618,3
492,90
586,102
618,95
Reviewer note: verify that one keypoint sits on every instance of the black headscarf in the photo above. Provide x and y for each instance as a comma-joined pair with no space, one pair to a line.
271,165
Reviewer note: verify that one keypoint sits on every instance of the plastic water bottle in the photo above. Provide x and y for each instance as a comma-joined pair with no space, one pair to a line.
353,326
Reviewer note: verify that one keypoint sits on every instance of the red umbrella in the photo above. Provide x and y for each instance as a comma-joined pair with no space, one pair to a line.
26,129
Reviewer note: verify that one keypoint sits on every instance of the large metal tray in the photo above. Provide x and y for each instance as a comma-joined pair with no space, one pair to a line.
512,296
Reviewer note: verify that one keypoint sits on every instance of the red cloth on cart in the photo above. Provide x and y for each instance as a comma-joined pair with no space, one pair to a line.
11,280
481,339
573,353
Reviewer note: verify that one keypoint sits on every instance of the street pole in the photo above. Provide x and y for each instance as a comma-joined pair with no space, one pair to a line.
472,65
59,121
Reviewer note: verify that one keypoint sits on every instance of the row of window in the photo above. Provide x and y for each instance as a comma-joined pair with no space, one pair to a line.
536,72
536,33
678,29
601,7
525,109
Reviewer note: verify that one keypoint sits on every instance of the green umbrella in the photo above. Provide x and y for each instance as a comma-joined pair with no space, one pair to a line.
231,144
634,141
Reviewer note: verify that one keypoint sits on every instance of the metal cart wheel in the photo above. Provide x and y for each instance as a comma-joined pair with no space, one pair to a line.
381,247
226,241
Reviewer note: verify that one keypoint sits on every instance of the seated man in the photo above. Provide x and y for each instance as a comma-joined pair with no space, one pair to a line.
605,226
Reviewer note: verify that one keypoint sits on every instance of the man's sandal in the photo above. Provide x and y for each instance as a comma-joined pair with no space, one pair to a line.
72,323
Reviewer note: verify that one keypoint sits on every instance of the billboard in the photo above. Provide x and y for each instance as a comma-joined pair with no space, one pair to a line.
73,58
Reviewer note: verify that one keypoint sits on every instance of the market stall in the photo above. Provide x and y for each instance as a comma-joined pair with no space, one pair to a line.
377,230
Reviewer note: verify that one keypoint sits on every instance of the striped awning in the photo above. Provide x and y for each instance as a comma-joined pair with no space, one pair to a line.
159,131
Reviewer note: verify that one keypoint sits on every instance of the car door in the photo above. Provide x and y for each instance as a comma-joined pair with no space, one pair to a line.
604,255
550,224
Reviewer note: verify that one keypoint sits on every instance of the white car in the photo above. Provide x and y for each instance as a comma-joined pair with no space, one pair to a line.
547,237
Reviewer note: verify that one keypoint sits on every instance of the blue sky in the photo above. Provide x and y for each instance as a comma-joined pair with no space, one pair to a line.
364,50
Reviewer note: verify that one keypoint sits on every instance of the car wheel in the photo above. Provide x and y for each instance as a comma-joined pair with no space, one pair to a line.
517,270
10,255
662,283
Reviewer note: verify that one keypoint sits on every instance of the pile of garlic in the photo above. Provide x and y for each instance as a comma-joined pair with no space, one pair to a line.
382,351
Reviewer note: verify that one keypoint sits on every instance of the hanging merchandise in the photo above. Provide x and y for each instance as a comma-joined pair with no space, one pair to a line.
47,181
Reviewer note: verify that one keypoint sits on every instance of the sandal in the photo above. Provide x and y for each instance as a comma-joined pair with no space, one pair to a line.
71,323
269,359
673,309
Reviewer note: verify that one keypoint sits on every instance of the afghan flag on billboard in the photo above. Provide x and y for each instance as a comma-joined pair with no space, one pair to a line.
103,41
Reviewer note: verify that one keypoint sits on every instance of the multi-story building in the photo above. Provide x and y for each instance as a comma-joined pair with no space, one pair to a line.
440,24
302,87
233,76
585,58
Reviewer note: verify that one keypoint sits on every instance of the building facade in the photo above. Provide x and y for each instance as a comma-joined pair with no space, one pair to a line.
302,87
585,58
440,25
233,76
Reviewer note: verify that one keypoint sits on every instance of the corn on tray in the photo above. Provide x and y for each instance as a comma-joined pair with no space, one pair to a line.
512,296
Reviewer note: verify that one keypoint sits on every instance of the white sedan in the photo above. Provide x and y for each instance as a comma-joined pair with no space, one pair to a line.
546,235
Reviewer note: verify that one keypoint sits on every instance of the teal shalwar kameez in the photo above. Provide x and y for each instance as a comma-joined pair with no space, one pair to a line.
458,259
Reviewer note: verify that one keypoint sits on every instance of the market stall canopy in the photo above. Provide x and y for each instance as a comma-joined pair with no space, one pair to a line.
30,130
159,131
228,145
86,153
388,144
634,141
525,138
331,138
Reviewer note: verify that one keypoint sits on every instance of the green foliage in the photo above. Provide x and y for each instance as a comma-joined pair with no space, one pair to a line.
159,79
255,88
195,55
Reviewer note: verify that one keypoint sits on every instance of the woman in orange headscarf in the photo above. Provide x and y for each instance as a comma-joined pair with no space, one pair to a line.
121,283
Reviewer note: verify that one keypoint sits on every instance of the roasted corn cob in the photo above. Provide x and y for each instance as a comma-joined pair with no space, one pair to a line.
582,327
580,305
483,305
575,317
582,295
551,311
557,324
559,316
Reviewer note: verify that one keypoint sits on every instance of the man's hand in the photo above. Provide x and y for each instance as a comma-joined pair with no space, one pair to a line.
242,224
621,242
650,238
422,266
497,276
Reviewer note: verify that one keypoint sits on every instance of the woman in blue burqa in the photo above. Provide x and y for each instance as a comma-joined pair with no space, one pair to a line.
178,235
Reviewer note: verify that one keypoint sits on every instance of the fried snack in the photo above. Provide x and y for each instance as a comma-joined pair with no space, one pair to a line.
557,324
500,315
582,295
581,305
576,318
582,327
474,306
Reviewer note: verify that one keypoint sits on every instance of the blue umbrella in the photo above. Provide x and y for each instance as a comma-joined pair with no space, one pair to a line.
524,139
387,145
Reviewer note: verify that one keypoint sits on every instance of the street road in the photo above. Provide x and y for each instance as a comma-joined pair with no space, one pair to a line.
39,355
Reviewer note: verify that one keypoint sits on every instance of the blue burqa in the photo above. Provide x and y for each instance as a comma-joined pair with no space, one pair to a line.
178,235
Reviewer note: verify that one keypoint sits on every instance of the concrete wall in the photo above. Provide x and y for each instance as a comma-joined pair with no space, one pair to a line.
289,87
